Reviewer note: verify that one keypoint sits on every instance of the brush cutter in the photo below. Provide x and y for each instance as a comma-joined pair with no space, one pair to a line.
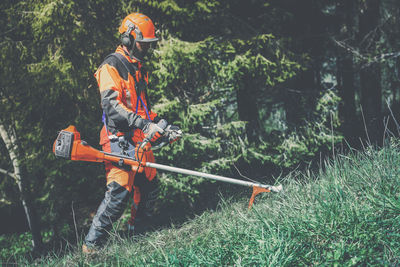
69,145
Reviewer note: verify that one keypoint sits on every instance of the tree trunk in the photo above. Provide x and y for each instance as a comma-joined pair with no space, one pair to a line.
10,140
308,33
370,75
345,72
247,108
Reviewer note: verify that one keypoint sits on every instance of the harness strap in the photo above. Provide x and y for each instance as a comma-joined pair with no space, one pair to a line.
103,119
131,68
145,108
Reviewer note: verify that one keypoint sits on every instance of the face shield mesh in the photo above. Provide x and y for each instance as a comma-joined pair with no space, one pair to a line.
143,50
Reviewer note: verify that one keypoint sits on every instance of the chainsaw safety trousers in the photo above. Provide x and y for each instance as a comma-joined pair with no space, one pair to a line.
109,211
120,183
145,193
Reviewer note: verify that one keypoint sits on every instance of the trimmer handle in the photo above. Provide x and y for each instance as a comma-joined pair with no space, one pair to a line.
162,124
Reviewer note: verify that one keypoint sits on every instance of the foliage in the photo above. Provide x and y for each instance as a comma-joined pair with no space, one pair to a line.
245,80
18,245
317,135
202,101
42,92
14,245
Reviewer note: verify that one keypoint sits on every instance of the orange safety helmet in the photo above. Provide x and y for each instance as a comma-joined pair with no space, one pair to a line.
139,26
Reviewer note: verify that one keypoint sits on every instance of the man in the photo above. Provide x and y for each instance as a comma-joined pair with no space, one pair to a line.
128,120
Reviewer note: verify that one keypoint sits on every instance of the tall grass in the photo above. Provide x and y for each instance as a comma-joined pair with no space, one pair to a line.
347,214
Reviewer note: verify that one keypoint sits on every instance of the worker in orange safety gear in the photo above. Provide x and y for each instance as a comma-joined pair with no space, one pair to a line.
128,119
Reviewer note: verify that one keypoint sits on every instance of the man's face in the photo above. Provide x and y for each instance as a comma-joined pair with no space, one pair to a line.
143,47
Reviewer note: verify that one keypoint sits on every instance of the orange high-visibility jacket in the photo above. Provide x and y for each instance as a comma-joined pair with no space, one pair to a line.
120,101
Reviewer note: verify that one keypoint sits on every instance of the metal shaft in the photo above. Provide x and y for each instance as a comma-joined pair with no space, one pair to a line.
206,175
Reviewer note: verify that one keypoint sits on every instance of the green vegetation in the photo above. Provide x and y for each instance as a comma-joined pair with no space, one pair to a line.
345,214
258,87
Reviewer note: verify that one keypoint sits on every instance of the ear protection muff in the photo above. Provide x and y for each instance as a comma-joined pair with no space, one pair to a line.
126,37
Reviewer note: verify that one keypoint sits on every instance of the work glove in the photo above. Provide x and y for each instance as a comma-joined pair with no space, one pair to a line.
173,133
152,131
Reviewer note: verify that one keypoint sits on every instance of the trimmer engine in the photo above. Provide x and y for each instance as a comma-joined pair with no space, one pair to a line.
69,145
63,144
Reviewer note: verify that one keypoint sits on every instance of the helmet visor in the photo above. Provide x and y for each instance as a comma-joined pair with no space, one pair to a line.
143,50
149,40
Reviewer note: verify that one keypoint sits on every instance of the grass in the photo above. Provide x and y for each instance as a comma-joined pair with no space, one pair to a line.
347,214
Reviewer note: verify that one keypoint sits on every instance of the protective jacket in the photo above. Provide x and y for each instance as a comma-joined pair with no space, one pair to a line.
124,101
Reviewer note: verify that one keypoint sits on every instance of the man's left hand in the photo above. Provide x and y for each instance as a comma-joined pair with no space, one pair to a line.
173,133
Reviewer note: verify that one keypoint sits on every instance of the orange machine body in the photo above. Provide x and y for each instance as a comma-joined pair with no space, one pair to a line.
70,146
81,151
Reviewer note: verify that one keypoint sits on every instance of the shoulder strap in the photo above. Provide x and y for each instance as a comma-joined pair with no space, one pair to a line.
129,67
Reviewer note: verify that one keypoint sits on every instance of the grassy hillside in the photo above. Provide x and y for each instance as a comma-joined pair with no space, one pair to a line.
347,214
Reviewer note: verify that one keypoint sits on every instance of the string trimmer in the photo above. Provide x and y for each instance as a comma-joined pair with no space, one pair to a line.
69,145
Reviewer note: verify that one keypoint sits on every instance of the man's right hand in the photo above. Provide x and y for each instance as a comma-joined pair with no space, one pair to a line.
152,131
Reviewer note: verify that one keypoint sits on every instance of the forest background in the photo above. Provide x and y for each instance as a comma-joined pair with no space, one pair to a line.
260,88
